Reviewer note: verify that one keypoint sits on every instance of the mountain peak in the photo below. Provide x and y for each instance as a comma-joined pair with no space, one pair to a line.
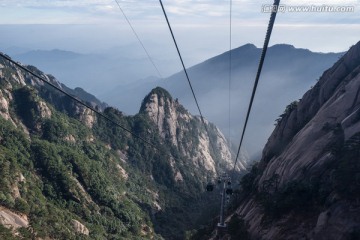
283,46
248,46
161,92
175,124
161,108
156,96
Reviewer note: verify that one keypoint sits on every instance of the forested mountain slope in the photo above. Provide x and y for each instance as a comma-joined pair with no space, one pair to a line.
67,173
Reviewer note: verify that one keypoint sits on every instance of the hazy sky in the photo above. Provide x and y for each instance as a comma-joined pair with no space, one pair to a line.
201,26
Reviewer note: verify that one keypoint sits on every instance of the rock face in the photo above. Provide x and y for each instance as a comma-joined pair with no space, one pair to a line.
302,135
12,220
4,106
177,126
85,115
80,228
44,110
304,154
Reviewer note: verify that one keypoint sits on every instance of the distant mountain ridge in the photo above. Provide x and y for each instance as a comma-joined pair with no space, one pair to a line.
287,73
51,55
95,72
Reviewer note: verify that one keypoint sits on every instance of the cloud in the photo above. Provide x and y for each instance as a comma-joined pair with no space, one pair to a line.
53,12
179,11
195,22
141,9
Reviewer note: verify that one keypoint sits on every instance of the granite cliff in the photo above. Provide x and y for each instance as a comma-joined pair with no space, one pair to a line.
307,184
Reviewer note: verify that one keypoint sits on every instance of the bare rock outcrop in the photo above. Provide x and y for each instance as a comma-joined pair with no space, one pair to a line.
80,228
12,220
85,115
44,110
4,106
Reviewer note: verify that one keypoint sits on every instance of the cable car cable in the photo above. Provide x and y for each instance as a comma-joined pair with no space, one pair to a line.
262,58
138,38
230,70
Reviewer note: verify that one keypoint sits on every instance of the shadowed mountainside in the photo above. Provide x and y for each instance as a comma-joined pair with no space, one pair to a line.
306,185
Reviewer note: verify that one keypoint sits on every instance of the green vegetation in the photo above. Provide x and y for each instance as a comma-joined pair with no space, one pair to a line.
294,196
58,170
26,105
7,234
289,108
50,194
247,182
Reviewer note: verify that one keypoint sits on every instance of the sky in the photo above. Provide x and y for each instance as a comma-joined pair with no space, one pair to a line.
200,26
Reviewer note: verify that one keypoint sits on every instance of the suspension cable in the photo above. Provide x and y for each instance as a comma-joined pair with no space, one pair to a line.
186,73
262,58
230,70
79,101
138,38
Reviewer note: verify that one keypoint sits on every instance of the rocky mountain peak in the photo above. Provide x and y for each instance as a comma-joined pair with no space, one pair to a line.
164,112
178,126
